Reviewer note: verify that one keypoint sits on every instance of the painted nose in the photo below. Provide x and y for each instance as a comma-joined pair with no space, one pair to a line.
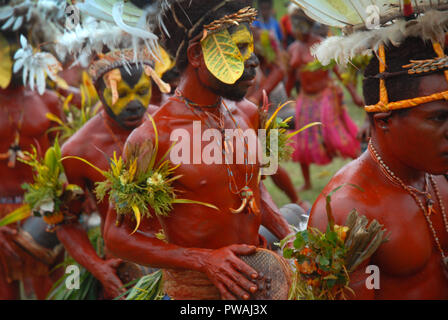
134,107
253,61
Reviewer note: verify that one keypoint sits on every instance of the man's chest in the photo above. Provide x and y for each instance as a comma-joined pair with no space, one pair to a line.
415,236
209,155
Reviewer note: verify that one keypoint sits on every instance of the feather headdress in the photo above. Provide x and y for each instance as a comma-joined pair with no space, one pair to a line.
42,21
393,22
431,26
358,15
368,24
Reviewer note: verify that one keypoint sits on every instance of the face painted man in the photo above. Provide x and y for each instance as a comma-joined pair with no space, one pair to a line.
201,255
125,93
401,173
127,102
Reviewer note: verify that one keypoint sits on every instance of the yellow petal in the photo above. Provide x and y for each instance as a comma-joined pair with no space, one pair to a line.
5,63
137,217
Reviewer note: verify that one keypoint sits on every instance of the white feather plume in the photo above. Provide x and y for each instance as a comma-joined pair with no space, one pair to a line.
432,26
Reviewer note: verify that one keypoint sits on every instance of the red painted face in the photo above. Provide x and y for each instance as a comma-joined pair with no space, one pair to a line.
420,137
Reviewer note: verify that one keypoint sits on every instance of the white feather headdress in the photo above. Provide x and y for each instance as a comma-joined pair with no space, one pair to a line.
430,26
367,24
42,21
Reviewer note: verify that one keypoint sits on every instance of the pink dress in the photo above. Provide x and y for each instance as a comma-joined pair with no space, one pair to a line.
335,137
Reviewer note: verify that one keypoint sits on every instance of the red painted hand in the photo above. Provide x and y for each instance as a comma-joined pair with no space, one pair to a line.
107,275
9,258
229,273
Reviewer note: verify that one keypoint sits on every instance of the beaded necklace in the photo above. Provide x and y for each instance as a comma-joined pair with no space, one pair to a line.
245,193
412,191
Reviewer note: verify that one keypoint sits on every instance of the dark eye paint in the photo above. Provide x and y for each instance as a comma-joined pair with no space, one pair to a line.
142,91
122,93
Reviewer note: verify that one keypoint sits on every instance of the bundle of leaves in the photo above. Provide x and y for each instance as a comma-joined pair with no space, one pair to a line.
148,287
89,286
139,185
76,117
324,261
278,127
50,189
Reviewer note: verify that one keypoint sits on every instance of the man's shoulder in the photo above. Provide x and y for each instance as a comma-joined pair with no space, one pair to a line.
351,188
250,110
81,140
247,106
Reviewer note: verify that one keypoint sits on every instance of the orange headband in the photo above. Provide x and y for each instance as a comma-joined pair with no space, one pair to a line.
384,105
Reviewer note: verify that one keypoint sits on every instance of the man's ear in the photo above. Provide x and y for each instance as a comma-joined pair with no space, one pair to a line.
194,54
381,120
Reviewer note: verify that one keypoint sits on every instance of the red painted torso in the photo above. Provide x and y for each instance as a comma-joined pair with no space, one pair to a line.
95,142
14,102
409,263
300,56
194,225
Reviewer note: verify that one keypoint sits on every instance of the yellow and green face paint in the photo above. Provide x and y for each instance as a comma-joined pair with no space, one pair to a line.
244,40
141,92
226,52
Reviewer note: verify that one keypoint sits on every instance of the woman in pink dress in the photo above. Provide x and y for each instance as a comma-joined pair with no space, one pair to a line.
319,99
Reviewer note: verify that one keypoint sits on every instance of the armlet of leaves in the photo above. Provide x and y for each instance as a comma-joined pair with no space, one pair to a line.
138,185
75,118
277,133
50,189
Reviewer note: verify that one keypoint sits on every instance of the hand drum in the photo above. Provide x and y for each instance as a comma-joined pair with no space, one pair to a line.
275,275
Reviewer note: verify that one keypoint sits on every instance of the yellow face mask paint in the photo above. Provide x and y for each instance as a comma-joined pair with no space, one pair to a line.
141,92
244,40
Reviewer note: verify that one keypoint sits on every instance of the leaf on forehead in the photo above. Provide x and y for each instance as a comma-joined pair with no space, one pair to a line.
243,35
222,57
5,63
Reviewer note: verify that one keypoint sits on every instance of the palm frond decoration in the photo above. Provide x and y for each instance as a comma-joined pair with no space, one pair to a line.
50,189
76,118
139,184
275,123
324,260
89,286
148,287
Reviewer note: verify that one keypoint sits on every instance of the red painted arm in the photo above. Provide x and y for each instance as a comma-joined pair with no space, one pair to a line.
271,217
222,266
76,242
